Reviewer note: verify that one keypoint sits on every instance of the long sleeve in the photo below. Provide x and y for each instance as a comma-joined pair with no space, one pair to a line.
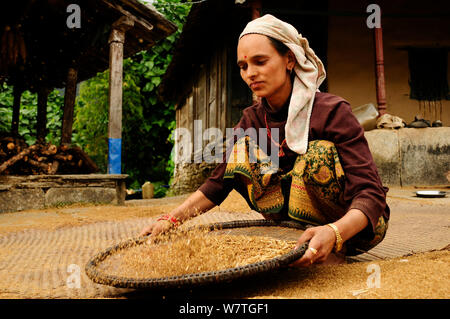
331,119
363,187
214,187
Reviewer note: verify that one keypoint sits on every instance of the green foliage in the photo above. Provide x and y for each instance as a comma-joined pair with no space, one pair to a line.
160,190
147,122
90,128
28,114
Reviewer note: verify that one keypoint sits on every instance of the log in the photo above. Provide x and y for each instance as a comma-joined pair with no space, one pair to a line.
53,168
63,158
50,150
85,158
7,139
19,143
18,157
116,41
69,103
41,125
42,158
16,110
40,165
63,148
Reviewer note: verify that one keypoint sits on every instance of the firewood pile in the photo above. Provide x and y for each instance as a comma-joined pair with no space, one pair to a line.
18,158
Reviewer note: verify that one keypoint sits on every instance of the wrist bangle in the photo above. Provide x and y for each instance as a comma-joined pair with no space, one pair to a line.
171,219
338,245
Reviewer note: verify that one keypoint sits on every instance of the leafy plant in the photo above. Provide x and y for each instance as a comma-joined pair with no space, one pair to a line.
28,114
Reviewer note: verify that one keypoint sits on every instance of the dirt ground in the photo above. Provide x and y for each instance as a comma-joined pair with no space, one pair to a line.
41,272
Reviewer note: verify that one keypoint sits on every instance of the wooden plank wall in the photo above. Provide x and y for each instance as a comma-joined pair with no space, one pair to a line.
208,100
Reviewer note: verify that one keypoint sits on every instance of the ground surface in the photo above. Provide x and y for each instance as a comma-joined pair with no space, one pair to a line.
43,252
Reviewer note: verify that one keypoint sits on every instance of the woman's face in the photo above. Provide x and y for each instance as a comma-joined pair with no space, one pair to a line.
263,69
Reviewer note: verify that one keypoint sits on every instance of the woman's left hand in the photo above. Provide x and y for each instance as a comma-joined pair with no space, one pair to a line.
321,242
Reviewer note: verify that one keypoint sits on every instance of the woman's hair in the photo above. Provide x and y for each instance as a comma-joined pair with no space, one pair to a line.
281,48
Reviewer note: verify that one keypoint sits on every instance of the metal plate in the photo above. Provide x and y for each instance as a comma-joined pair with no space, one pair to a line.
431,194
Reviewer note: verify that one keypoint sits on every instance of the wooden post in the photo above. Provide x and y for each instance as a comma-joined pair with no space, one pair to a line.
69,103
379,61
41,125
16,110
256,9
116,41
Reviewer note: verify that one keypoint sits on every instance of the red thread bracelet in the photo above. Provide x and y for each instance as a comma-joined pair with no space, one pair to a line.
169,218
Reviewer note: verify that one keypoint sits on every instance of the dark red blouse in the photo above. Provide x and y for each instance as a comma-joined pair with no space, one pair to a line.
332,120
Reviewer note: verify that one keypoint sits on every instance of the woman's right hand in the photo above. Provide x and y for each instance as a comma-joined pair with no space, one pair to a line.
194,205
156,228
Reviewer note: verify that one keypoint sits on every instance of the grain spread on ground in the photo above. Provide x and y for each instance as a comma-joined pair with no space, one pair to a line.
192,252
37,246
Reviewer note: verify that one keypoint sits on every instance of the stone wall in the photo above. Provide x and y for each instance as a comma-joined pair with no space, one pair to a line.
410,156
404,157
40,191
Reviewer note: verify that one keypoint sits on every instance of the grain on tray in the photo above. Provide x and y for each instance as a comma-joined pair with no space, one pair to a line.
192,252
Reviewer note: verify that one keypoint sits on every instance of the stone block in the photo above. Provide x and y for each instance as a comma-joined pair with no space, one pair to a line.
384,146
57,196
21,199
148,190
425,155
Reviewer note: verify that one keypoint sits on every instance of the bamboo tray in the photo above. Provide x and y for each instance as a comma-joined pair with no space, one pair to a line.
204,278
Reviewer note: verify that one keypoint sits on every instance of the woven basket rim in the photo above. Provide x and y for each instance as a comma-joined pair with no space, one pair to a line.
196,279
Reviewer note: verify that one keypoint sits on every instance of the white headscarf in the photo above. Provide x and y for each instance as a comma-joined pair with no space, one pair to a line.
309,74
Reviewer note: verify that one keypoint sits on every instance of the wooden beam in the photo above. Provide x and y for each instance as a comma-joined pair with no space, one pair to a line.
136,20
149,12
379,67
116,41
41,125
69,104
16,110
256,9
150,25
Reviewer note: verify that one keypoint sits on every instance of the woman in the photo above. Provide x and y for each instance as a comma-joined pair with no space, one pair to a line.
326,176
